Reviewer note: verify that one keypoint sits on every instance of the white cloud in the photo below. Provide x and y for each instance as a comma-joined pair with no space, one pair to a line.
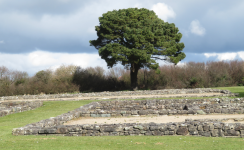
41,60
196,28
1,42
163,11
241,54
138,5
226,56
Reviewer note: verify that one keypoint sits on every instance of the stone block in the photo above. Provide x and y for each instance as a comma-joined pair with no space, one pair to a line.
171,132
156,133
239,127
61,130
232,133
201,112
143,112
224,111
166,132
163,112
242,131
211,110
140,127
123,112
85,115
217,110
105,115
172,112
192,128
107,129
205,127
113,133
215,133
191,111
206,134
148,133
194,132
47,131
182,131
220,133
153,128
134,112
128,128
211,127
217,126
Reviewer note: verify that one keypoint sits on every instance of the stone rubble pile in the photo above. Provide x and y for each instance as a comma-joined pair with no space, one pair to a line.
7,108
206,127
120,93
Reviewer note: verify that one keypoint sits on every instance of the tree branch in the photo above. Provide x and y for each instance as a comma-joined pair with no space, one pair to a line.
159,58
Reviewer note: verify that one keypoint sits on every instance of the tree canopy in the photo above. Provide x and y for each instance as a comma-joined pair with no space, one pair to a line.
137,38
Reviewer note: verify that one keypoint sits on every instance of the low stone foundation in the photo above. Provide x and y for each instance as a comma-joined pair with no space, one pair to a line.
208,128
7,108
94,95
165,107
215,128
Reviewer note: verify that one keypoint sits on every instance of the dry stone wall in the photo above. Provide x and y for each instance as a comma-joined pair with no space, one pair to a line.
165,107
7,108
208,128
213,128
119,93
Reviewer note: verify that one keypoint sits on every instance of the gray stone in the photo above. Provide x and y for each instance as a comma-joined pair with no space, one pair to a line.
199,128
182,131
128,128
105,115
201,112
138,127
143,112
157,133
96,115
214,133
232,133
206,128
107,129
153,128
194,132
206,133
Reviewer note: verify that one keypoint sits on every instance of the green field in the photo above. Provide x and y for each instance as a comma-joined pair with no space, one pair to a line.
52,109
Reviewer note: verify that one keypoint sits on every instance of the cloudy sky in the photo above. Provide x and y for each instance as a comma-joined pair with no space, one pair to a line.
42,34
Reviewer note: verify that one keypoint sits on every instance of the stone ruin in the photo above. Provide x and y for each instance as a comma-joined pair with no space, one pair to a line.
119,108
7,108
98,95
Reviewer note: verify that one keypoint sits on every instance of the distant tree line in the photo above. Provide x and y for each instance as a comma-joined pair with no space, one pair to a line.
71,79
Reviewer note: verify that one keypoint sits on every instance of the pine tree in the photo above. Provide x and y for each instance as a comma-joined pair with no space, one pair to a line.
137,38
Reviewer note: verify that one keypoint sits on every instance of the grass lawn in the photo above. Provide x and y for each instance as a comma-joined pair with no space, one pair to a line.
54,108
234,89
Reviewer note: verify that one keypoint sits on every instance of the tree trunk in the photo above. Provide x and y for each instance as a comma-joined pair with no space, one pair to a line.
133,76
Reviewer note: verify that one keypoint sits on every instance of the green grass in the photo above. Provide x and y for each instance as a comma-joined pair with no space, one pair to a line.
54,108
234,89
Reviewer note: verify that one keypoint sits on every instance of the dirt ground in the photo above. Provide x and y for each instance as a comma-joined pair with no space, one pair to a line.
155,119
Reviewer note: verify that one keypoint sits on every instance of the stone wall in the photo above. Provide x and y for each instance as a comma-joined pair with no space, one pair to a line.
208,128
7,108
120,93
215,128
165,107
